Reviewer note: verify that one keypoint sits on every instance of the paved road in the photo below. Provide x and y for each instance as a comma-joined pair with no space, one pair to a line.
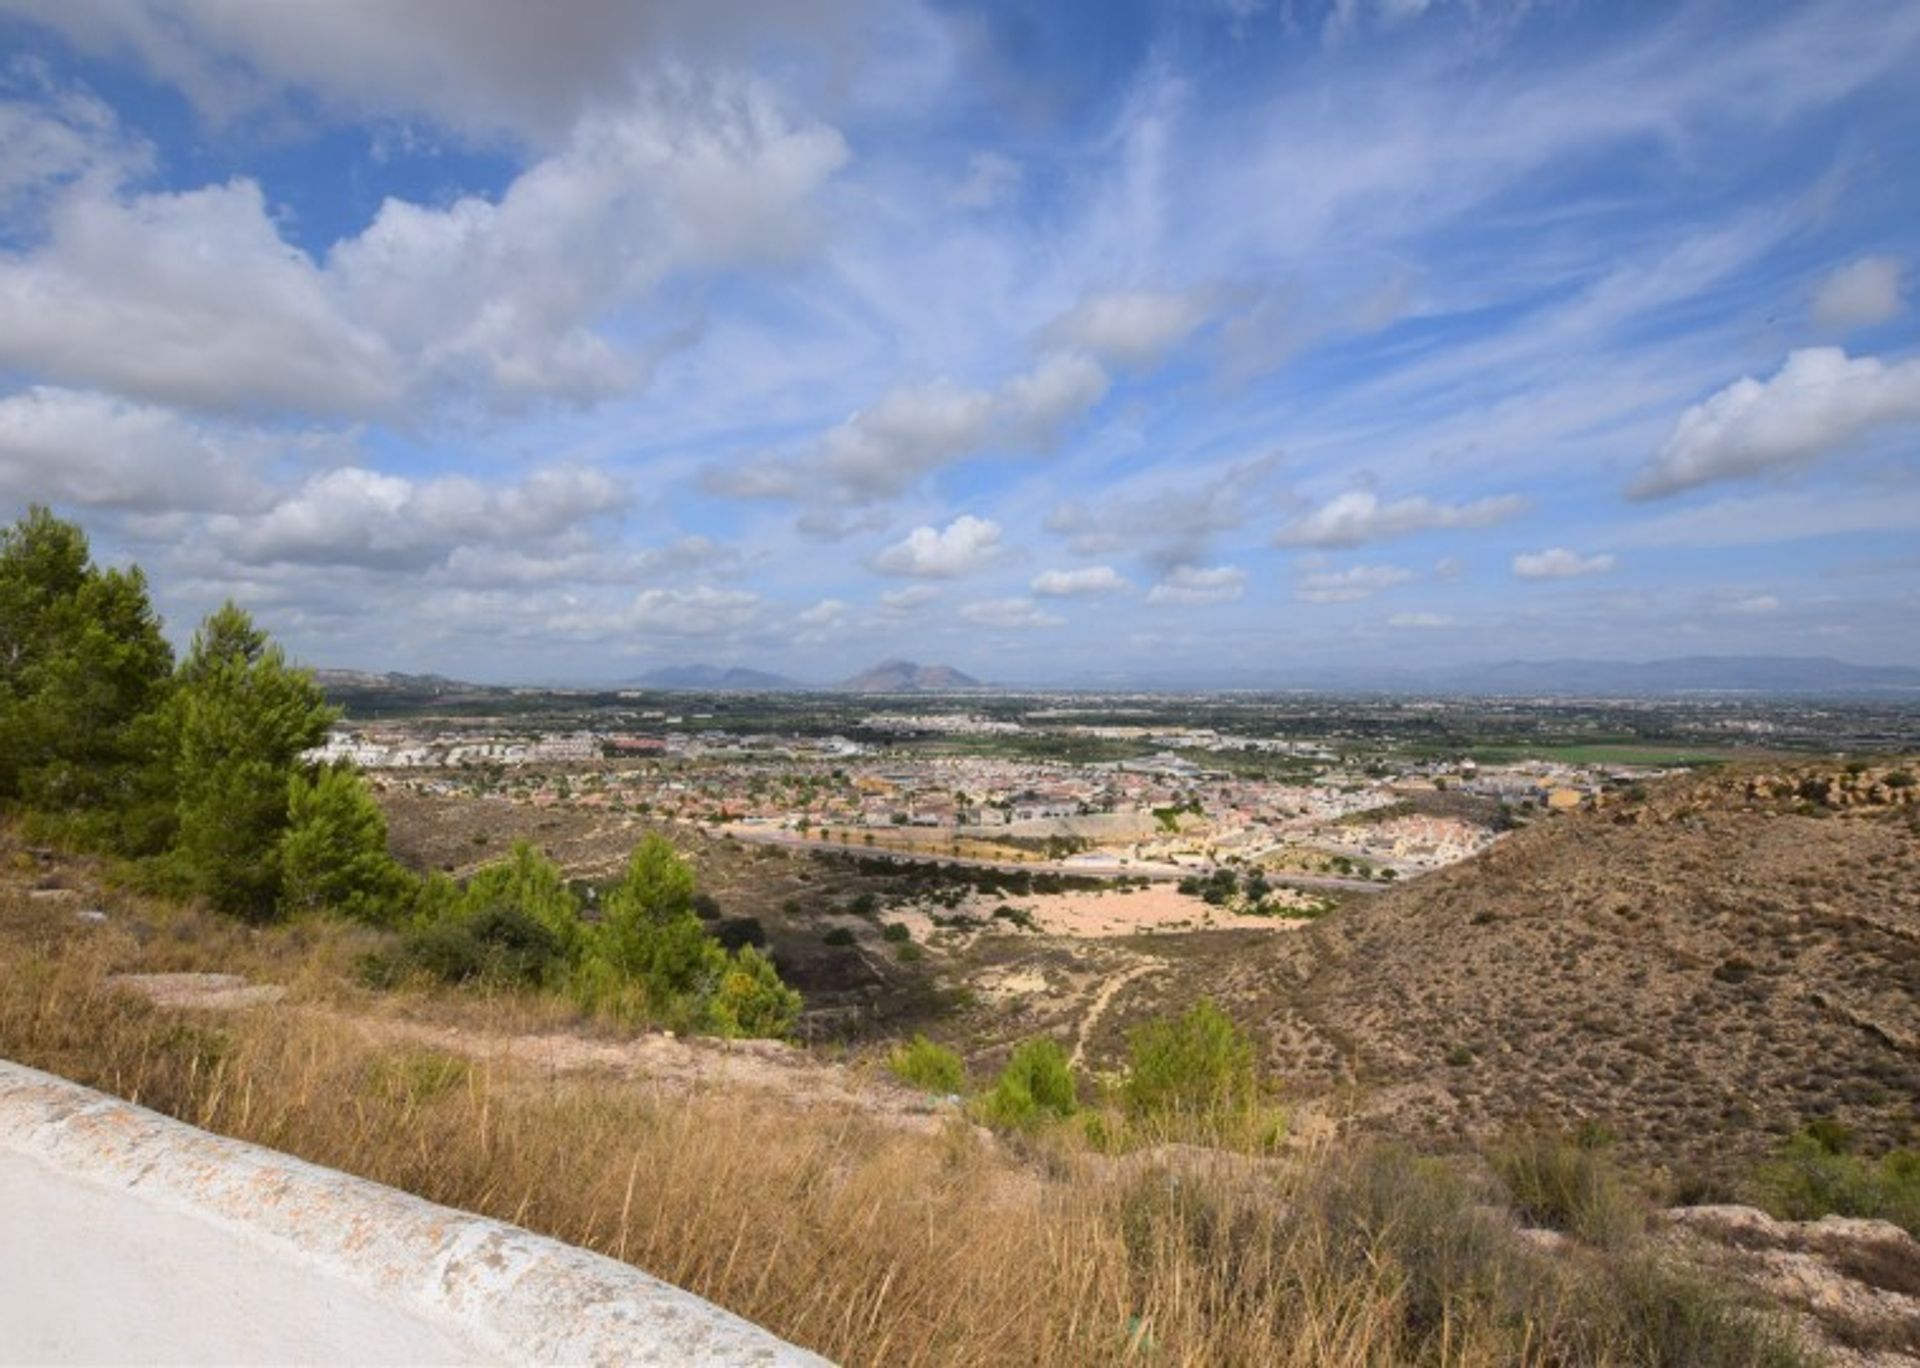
1156,873
91,1274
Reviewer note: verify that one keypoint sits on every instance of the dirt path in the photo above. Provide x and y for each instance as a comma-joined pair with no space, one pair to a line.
1098,1007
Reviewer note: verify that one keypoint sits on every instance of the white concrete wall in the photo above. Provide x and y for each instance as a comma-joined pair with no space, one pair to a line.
126,1236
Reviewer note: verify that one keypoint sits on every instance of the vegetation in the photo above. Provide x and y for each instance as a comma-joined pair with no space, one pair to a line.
1815,1175
197,776
1036,1086
928,1066
1569,1185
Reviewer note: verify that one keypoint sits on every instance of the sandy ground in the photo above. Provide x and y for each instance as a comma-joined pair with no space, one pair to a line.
1133,912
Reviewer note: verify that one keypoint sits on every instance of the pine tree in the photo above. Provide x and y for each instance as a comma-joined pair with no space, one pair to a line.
241,720
333,854
82,664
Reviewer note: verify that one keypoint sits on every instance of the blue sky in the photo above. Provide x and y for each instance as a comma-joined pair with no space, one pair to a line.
530,342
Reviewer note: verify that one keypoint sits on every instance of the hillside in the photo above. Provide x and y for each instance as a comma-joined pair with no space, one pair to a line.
905,676
1702,972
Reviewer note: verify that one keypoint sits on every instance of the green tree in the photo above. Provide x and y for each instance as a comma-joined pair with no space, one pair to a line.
751,999
82,662
240,720
333,854
530,883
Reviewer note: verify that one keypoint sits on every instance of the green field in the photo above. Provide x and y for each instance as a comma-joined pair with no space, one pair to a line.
1611,753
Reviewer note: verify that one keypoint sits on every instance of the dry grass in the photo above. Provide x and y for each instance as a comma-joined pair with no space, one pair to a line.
867,1243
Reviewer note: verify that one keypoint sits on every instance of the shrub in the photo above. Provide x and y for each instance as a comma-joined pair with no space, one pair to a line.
928,1066
1567,1186
735,933
333,854
752,1001
1813,1177
896,931
499,945
1036,1086
838,936
1198,1065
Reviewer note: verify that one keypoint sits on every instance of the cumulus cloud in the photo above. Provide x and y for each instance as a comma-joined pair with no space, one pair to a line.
1018,613
702,611
909,597
1350,585
195,297
880,451
1360,516
96,451
1559,563
963,545
1859,294
1197,585
1093,579
1817,403
1132,327
355,516
829,612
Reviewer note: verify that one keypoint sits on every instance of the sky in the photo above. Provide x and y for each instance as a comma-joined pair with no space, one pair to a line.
559,343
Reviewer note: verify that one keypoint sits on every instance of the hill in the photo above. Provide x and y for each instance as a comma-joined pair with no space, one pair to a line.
1701,972
730,678
905,676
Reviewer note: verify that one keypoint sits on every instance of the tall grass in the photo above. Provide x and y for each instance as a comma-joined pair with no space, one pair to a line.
876,1245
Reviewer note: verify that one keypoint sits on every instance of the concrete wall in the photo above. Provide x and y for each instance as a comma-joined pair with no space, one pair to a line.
128,1236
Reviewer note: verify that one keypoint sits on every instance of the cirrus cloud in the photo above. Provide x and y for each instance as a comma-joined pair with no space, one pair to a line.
1360,516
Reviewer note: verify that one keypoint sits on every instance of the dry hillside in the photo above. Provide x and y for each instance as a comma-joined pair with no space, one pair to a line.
1701,970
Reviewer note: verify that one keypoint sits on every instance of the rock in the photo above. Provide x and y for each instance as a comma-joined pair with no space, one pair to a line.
92,915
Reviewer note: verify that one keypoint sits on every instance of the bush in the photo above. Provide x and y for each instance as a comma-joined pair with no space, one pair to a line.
333,854
1813,1177
499,945
736,933
928,1066
1567,1186
838,936
1197,1066
896,931
1036,1086
751,999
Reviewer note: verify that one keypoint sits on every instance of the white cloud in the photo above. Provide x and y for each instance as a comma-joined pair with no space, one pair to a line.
355,516
1359,516
965,544
1559,563
1009,613
1132,327
1092,579
1196,585
1172,520
1816,404
910,597
1420,621
879,452
196,298
702,611
1859,294
830,612
96,451
992,179
64,135
1753,605
1350,585
484,67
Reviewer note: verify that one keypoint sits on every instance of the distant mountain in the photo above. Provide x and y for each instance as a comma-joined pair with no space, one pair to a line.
340,683
904,676
715,678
